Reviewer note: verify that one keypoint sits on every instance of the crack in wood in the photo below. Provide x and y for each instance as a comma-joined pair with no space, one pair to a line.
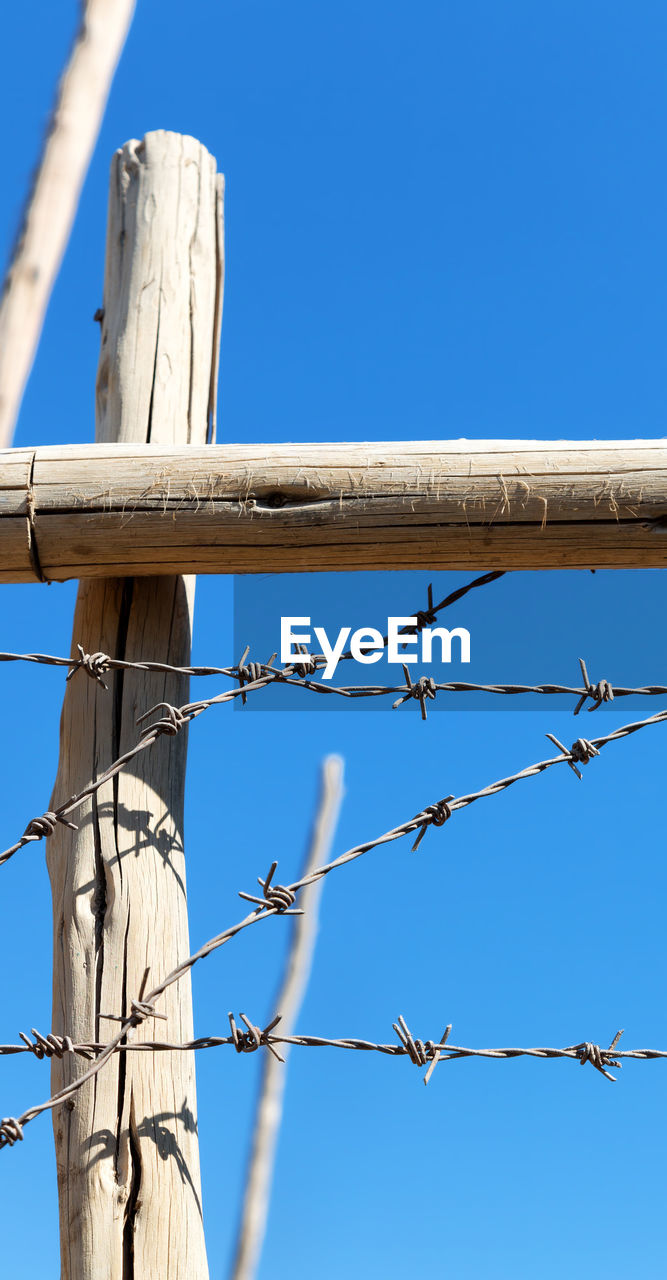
32,535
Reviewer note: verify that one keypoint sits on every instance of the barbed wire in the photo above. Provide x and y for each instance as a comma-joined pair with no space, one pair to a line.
420,1052
175,719
97,664
279,899
253,676
256,675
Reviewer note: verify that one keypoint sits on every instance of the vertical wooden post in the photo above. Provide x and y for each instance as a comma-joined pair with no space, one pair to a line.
126,1145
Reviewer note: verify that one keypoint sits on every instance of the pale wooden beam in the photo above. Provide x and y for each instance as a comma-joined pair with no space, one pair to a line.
83,511
51,206
127,1148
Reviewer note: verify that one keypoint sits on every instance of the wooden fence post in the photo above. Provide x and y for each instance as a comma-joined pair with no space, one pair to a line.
126,1144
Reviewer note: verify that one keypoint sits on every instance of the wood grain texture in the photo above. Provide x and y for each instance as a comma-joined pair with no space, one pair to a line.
126,1144
284,507
75,122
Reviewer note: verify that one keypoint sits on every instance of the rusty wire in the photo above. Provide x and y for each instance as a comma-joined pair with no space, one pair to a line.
278,899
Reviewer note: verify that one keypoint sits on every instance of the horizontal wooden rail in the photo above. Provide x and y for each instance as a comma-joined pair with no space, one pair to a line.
102,510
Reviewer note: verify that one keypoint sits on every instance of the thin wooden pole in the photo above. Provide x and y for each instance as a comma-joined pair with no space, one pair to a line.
252,1226
271,508
127,1153
52,203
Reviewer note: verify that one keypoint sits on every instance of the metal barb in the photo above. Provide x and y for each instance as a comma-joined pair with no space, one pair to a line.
92,663
421,1053
307,664
11,1131
582,751
437,1053
599,693
251,672
50,1046
425,687
170,723
414,1048
276,896
45,825
600,1058
434,815
426,617
253,1038
139,1011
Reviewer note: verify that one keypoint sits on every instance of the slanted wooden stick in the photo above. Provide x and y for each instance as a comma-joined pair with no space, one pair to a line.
52,203
252,1226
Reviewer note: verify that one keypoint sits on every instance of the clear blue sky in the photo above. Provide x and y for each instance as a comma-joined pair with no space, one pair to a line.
444,219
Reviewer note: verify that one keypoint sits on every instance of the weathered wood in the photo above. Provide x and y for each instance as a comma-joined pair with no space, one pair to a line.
101,510
49,213
126,1145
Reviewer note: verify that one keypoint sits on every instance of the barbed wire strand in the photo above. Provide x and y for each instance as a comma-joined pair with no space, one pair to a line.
171,723
279,899
253,676
46,1047
97,664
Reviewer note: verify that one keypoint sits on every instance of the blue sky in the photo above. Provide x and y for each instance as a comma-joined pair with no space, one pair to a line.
443,220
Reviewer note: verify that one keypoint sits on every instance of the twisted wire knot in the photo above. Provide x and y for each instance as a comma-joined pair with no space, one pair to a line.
141,1009
50,1046
591,1053
40,827
425,687
253,1038
170,723
10,1131
45,825
439,812
425,618
599,1058
245,1041
583,751
277,896
249,672
418,1052
421,1052
94,664
307,666
434,815
599,693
